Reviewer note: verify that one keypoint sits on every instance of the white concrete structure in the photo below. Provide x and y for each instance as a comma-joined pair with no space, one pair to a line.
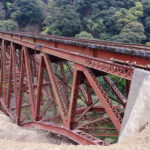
137,112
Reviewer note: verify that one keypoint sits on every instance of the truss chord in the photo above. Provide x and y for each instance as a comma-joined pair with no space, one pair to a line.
96,63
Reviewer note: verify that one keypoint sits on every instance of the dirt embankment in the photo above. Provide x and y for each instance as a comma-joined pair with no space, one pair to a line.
13,137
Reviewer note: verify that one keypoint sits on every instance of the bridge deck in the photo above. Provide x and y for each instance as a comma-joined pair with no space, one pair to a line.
119,52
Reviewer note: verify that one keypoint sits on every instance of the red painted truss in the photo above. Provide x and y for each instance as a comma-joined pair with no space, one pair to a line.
64,92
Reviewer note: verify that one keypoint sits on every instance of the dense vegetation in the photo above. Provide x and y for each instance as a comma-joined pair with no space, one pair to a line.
117,20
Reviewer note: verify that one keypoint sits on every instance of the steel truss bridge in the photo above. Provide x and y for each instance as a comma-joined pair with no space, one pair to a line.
63,85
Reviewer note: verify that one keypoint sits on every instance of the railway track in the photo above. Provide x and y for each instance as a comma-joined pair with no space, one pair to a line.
138,47
85,41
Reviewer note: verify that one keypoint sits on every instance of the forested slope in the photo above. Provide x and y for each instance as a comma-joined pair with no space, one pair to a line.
116,20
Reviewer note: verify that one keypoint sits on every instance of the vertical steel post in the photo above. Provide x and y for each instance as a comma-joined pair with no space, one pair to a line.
64,81
128,83
39,88
1,80
4,71
18,116
30,81
73,99
89,94
9,81
15,75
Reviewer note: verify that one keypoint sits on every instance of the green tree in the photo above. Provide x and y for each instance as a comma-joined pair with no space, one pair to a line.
63,21
85,8
146,8
123,3
132,33
125,16
146,18
147,27
110,23
8,25
26,12
84,35
101,18
95,28
2,11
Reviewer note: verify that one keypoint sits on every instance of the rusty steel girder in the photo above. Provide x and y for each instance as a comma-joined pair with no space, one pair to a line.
61,91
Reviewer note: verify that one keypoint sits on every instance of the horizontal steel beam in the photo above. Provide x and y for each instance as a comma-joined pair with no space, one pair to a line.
95,63
72,134
131,53
117,47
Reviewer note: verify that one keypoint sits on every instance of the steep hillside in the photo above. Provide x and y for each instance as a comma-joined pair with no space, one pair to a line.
117,20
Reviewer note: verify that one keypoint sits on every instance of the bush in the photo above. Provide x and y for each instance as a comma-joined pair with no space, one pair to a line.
8,25
84,35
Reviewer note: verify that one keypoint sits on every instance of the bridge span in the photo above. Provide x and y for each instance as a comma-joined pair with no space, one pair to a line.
68,86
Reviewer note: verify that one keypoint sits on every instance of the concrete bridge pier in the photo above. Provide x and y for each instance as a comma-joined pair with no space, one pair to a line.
137,112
